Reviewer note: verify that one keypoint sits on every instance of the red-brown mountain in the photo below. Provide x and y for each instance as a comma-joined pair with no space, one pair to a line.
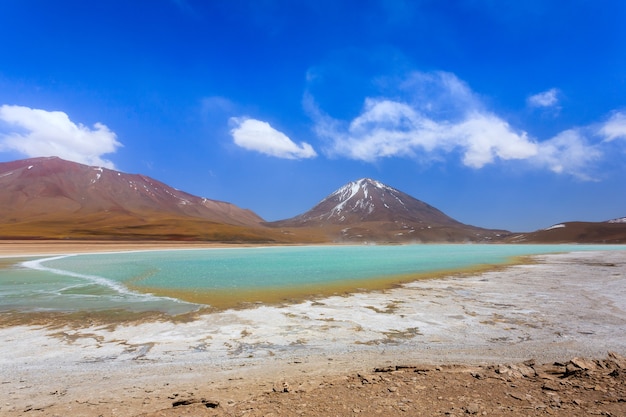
54,198
370,210
611,231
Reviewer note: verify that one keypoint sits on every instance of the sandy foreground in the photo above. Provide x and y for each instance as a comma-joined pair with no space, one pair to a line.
505,342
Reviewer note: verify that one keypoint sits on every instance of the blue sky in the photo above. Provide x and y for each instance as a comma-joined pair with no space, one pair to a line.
502,114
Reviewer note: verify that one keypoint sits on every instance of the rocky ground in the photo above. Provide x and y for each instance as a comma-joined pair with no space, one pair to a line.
580,387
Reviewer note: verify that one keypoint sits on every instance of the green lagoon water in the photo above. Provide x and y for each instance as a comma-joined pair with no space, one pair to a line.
174,281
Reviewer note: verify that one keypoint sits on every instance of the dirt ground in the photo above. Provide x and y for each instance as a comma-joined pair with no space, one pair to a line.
580,387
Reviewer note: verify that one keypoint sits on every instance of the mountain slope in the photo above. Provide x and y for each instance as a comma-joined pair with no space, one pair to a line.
612,231
51,197
370,210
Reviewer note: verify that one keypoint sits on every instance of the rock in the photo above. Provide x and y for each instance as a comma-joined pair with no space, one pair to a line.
571,369
281,387
210,403
550,386
189,401
472,408
526,371
556,369
515,371
179,403
368,379
530,362
584,364
579,367
617,360
502,369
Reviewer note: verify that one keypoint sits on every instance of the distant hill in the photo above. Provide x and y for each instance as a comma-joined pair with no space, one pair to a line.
611,231
54,198
50,198
367,210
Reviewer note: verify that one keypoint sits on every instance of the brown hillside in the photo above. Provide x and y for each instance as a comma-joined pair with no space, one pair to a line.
57,199
575,232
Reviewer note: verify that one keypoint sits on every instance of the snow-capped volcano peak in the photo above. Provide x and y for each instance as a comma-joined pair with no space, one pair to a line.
367,210
368,200
361,197
352,188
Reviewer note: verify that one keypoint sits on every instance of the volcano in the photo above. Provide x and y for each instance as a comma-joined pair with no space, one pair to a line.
368,210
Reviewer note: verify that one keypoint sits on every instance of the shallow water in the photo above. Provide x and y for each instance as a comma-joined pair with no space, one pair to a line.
183,280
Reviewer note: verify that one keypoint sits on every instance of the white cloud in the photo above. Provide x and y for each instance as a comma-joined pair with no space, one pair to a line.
388,128
545,99
615,127
568,153
438,114
256,135
430,120
36,132
439,93
485,136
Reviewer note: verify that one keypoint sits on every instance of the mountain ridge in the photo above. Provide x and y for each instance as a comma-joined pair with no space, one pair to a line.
50,198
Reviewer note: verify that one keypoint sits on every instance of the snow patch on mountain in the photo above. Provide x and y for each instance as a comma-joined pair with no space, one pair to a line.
556,226
358,196
99,171
620,220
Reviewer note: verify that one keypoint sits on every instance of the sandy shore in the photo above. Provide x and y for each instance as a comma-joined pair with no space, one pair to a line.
563,306
17,248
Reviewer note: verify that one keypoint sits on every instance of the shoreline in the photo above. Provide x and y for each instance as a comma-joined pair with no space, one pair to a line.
42,248
217,299
12,248
559,307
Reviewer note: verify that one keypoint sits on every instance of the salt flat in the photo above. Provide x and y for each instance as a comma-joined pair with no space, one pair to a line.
562,306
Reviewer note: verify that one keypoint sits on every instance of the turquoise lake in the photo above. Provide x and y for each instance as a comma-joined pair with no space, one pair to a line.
180,281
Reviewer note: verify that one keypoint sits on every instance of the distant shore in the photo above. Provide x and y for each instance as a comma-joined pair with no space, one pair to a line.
559,307
19,248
